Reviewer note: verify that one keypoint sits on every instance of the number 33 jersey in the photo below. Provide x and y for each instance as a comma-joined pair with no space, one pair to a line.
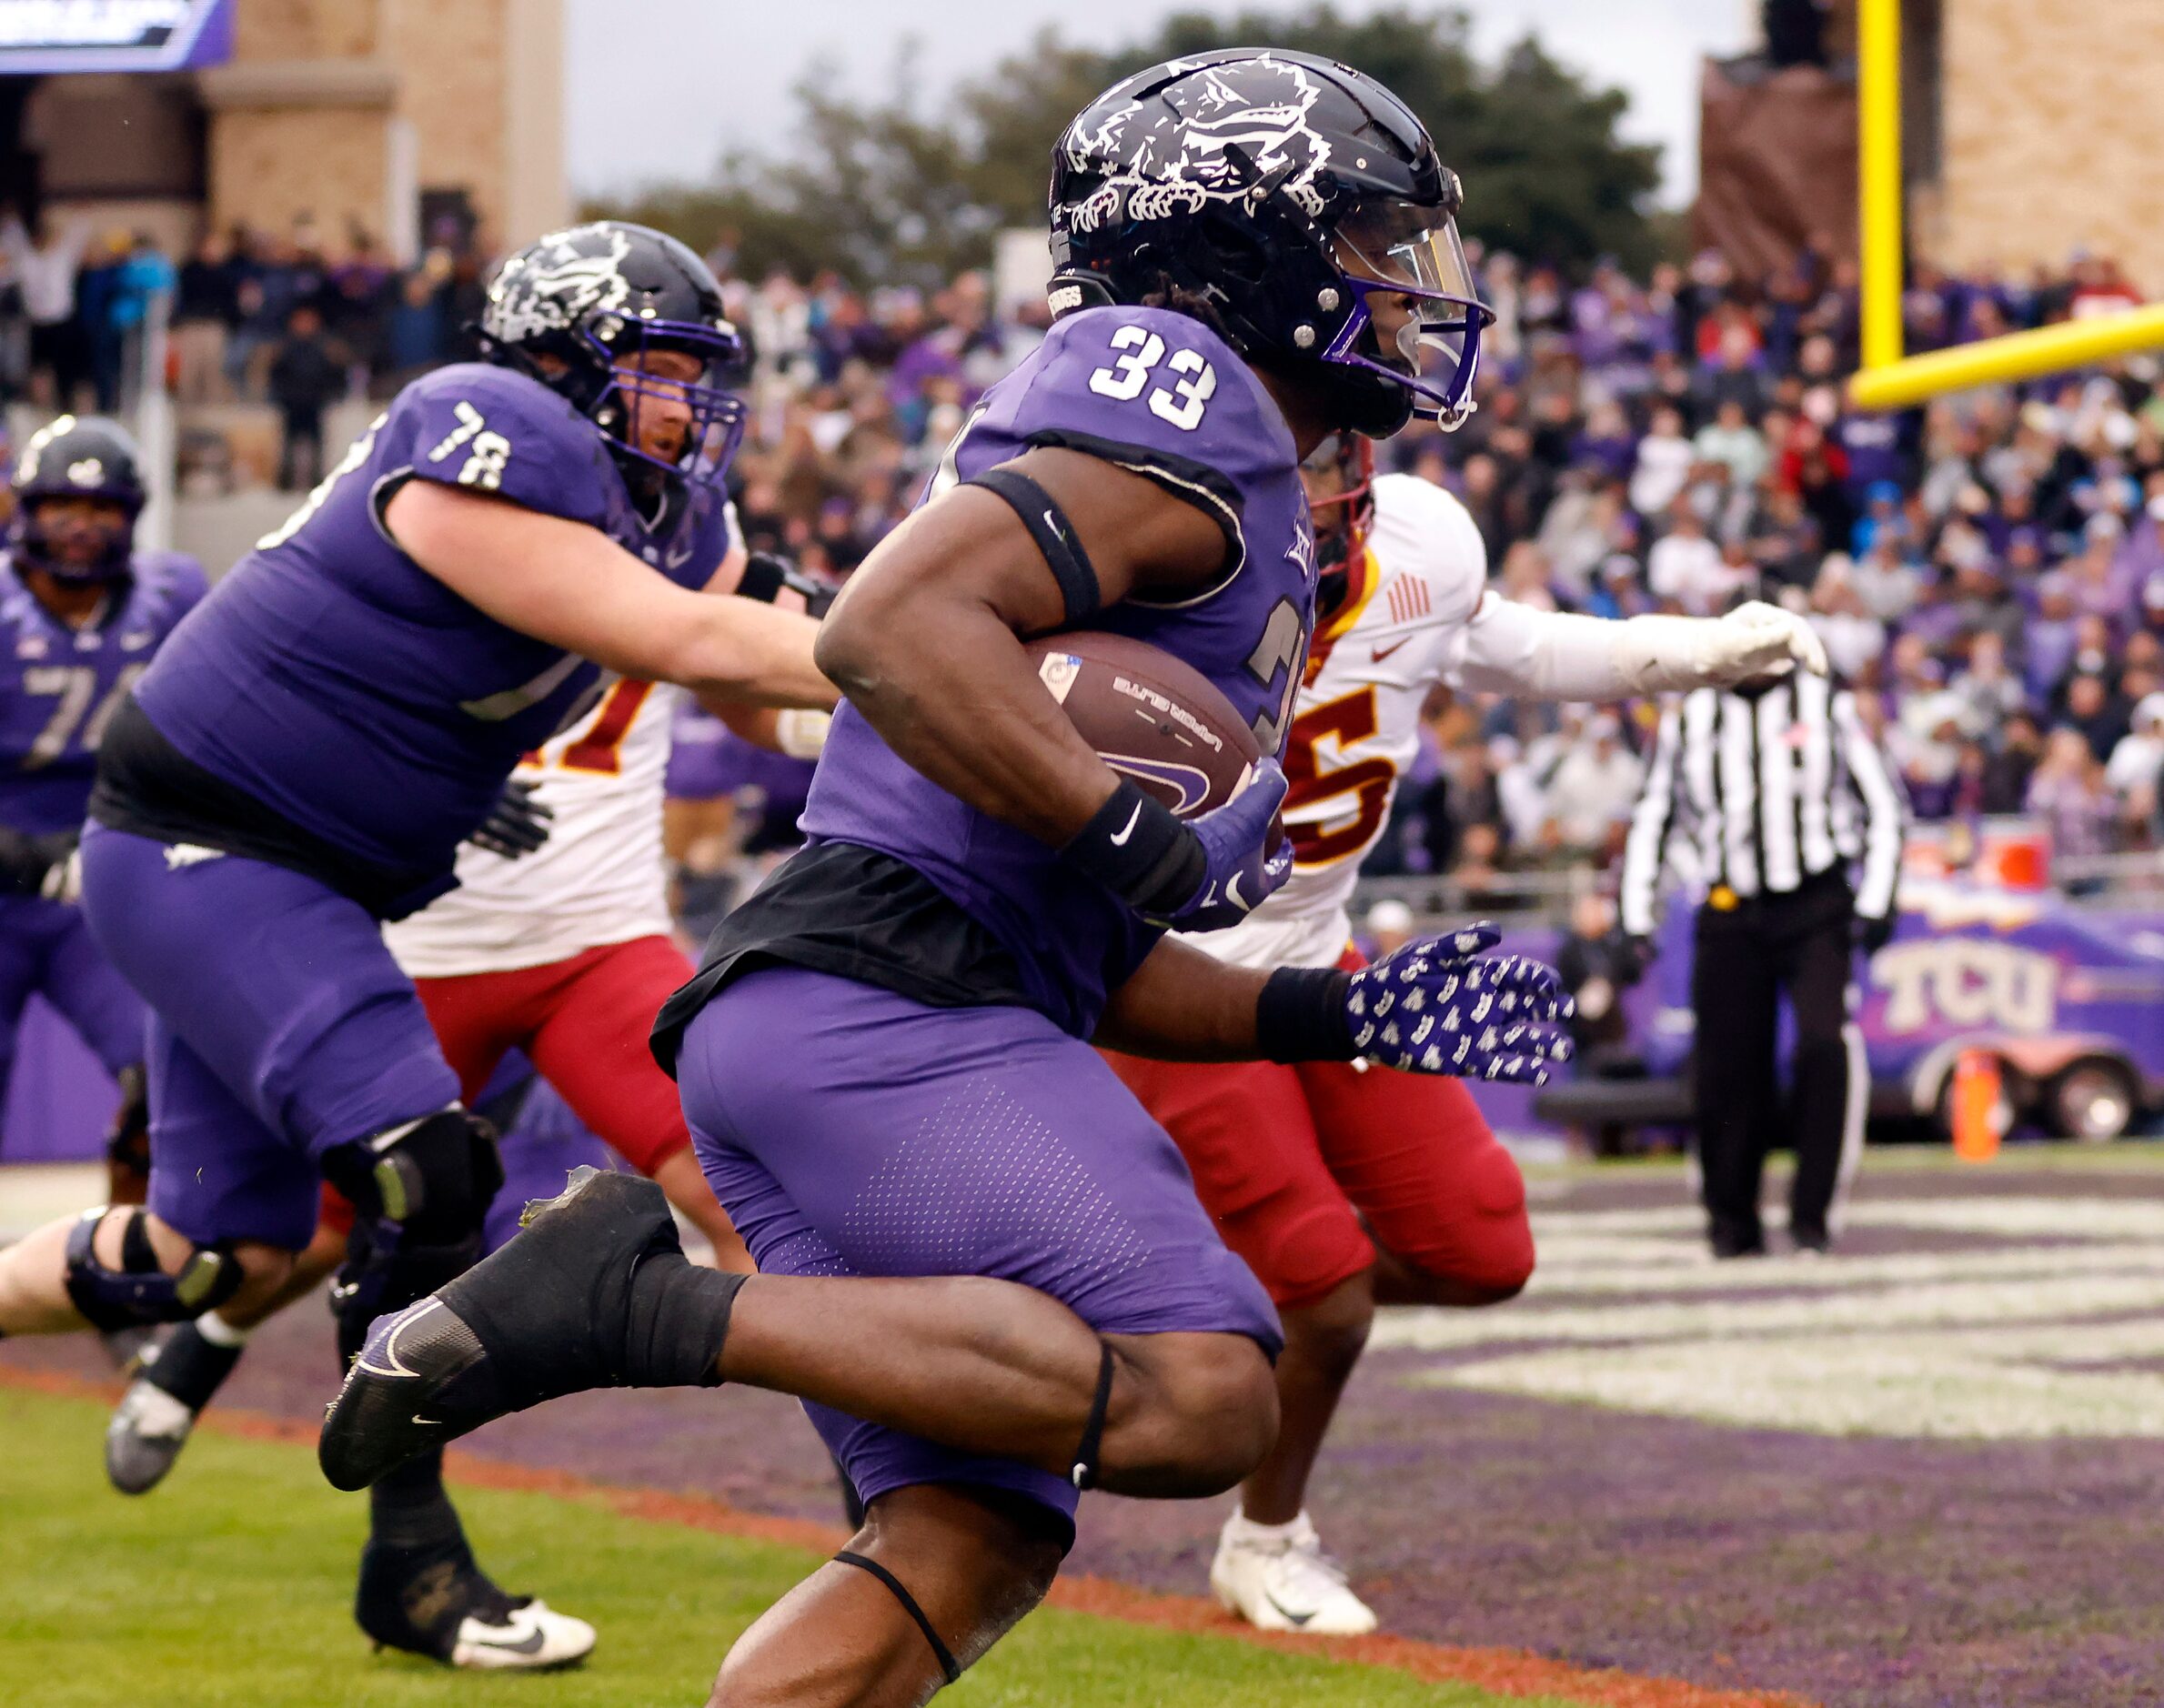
1160,395
59,687
1356,725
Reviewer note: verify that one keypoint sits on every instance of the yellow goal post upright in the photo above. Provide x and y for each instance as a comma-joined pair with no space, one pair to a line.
1887,379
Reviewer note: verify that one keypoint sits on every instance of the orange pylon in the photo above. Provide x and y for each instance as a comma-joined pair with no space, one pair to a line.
1976,1106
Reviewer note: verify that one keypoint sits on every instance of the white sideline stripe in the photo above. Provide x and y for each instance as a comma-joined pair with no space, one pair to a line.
1626,1272
2007,1342
1955,1304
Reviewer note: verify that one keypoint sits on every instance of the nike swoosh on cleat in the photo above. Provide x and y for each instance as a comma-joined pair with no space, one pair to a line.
391,1345
531,1643
427,1422
1297,1618
1231,892
1134,818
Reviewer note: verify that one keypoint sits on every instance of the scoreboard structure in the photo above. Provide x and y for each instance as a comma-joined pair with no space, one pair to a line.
40,37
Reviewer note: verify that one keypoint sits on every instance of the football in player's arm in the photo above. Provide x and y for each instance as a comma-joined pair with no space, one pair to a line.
895,1024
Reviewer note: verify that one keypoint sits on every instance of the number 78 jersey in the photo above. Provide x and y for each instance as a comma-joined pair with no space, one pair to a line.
1356,723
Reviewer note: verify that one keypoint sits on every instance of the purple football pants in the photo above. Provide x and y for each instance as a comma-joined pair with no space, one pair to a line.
45,950
852,1131
280,1026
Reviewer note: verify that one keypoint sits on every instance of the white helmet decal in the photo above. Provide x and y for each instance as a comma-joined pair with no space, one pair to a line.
1178,161
557,283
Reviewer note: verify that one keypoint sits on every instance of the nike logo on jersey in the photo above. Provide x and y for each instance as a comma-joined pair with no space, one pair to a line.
1134,818
180,854
1382,653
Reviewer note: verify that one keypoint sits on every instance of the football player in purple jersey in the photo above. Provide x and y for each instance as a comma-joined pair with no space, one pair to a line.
301,762
81,613
982,1264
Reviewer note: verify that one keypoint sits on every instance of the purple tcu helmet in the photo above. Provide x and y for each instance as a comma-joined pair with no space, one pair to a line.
1276,192
77,457
572,307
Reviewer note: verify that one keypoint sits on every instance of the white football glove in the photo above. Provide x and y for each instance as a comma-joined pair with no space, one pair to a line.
1757,640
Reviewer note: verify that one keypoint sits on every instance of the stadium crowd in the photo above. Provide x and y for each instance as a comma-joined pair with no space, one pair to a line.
1989,573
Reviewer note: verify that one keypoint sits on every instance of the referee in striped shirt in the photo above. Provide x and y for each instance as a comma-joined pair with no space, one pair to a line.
1774,798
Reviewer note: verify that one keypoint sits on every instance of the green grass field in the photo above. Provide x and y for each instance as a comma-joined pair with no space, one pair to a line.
228,1589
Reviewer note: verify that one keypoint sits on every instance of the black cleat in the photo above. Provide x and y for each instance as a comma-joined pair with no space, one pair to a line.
435,1602
548,1314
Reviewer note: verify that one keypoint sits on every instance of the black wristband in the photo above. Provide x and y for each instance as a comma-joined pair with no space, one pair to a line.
1138,850
1301,1015
764,575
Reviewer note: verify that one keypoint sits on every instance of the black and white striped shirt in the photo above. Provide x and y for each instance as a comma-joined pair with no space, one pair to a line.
1761,790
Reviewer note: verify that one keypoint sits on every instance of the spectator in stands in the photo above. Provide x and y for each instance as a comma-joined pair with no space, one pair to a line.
307,377
1597,963
2067,792
1664,461
140,279
1687,571
1594,787
205,305
2009,765
1390,926
46,263
2133,770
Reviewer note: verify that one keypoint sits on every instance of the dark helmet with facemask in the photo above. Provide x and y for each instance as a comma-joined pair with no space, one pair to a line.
1277,193
77,457
577,309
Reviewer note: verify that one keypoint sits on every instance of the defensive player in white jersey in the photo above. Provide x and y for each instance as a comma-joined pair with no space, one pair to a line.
556,943
1344,1186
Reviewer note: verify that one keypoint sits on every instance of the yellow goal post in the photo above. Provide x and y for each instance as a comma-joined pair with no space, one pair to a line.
1887,379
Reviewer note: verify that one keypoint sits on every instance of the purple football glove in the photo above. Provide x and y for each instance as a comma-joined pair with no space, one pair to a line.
1240,869
1436,1006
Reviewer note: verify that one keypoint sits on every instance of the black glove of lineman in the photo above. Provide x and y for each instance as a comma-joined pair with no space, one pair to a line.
518,824
31,865
1873,935
767,574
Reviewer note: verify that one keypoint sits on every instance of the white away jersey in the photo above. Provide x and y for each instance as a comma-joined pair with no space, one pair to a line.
1356,725
598,880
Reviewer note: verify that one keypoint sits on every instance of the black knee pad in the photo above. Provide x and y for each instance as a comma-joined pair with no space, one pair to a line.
140,1293
420,1198
436,1179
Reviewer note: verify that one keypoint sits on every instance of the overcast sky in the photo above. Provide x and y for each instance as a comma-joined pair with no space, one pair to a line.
658,87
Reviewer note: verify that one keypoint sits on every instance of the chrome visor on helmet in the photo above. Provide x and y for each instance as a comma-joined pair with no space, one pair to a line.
1405,266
